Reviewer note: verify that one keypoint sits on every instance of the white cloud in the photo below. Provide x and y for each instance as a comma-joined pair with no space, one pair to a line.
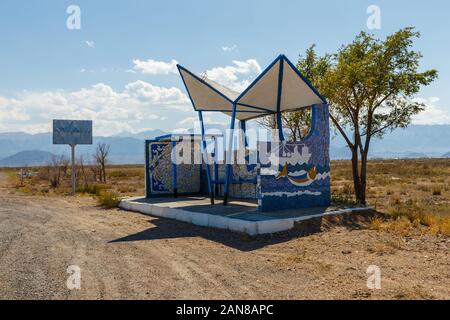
230,48
433,113
181,130
137,105
90,44
210,119
237,76
134,107
10,112
155,67
188,121
145,91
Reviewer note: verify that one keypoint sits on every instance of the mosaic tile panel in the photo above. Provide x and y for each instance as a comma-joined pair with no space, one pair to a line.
161,172
300,178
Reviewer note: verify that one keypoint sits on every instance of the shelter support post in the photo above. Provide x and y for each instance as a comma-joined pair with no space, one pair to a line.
279,93
228,156
243,127
205,157
280,127
216,167
242,138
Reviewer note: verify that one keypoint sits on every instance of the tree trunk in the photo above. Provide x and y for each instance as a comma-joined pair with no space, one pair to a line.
355,171
104,172
362,194
364,154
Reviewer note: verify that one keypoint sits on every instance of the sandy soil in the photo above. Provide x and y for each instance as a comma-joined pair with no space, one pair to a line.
124,255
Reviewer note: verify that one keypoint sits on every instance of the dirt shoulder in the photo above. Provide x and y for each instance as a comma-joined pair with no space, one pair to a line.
125,255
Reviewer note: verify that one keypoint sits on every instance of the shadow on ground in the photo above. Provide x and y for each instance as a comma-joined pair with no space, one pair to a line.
170,229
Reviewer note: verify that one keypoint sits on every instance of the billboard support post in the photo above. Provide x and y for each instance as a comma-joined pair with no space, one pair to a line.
74,175
72,133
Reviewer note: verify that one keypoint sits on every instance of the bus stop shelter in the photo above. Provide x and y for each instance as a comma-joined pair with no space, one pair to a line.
286,175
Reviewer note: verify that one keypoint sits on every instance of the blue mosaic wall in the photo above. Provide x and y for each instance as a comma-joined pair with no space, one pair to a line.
161,172
300,178
160,168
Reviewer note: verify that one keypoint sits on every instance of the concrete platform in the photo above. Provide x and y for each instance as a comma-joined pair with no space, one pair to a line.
240,216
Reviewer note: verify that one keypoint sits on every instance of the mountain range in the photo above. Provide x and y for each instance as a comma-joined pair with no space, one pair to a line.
416,141
16,148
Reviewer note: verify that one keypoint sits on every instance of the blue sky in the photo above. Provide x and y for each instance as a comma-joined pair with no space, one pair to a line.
117,69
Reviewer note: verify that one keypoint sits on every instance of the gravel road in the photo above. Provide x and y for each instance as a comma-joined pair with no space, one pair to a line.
124,255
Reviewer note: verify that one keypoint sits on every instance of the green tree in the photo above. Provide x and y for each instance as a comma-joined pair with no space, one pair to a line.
298,123
369,84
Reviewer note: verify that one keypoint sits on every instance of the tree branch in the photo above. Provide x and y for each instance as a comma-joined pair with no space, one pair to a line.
336,123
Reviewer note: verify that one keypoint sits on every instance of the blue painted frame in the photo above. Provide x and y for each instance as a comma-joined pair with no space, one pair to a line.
280,88
216,168
174,175
205,157
243,127
147,165
228,157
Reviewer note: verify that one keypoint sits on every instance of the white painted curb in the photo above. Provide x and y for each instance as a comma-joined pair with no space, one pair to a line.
221,222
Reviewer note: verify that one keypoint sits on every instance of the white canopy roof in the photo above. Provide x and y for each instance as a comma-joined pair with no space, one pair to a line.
280,87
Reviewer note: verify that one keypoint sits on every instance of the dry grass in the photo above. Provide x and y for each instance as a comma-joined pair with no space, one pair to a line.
125,180
304,259
389,246
414,293
375,224
416,192
122,181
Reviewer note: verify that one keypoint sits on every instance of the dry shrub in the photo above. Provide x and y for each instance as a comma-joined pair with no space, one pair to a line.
427,219
401,226
13,179
126,189
395,202
424,188
411,294
94,189
108,199
375,223
25,189
302,258
437,190
441,227
444,227
347,189
297,258
409,214
125,172
386,247
118,174
342,199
